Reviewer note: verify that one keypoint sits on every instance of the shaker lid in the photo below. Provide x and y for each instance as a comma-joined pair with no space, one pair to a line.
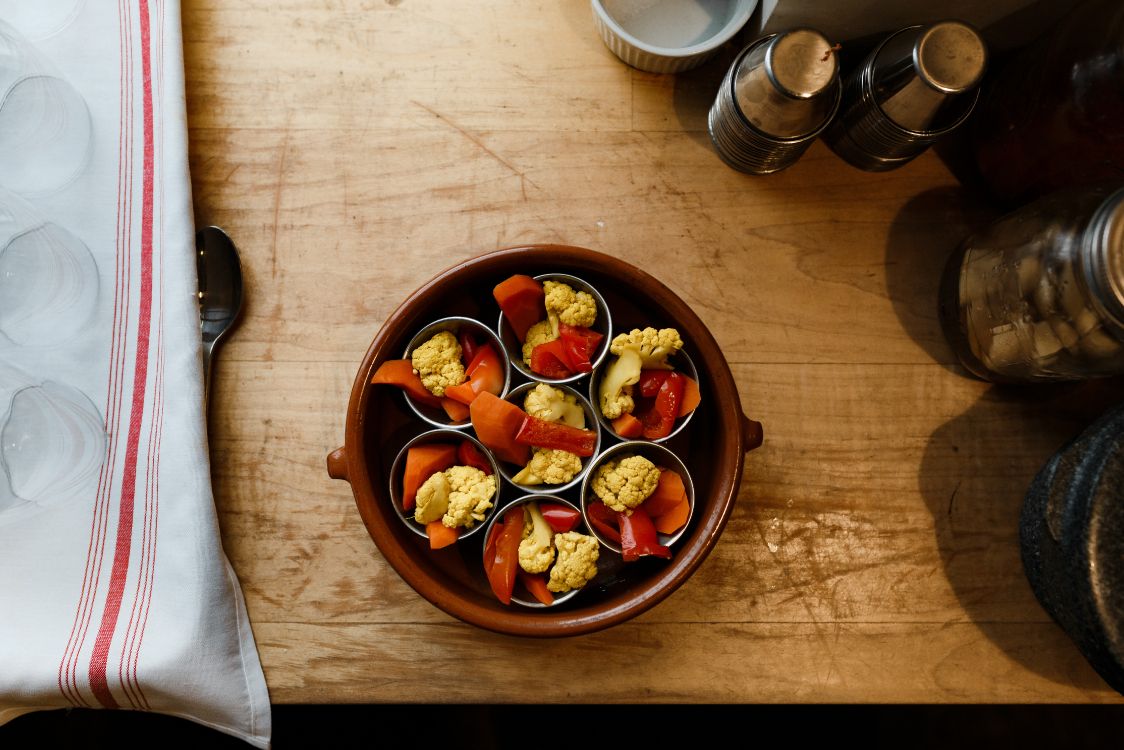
926,78
950,56
787,86
801,63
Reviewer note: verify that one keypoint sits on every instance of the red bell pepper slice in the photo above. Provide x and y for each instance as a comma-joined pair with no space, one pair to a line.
542,433
650,382
579,344
485,373
486,369
505,563
469,455
468,345
604,520
659,421
490,548
550,360
562,518
536,585
638,537
521,299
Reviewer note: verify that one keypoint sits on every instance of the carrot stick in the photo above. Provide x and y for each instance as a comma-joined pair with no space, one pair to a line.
673,520
692,396
440,535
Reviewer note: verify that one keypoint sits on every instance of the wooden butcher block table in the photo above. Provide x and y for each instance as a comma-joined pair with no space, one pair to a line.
355,149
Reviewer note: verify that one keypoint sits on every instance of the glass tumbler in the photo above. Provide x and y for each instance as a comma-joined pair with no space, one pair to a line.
45,129
48,279
52,443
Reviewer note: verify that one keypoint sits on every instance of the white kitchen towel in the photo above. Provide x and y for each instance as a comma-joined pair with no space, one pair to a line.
114,588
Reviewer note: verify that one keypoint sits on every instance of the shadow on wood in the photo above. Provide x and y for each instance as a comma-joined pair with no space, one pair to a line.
973,476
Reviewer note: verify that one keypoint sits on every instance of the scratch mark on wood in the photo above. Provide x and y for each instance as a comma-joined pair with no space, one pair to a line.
803,597
523,178
277,201
952,497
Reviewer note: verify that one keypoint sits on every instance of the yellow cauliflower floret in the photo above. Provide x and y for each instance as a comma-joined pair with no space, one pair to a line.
615,394
549,466
539,333
624,484
636,350
577,561
564,304
432,499
438,363
653,346
470,496
554,405
535,551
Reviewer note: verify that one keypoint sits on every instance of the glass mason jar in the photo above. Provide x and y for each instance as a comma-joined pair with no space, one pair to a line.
1039,294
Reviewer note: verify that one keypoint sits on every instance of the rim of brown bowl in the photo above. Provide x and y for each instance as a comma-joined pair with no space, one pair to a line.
735,433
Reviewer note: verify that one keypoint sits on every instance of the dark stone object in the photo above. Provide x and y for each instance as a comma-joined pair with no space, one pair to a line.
1072,538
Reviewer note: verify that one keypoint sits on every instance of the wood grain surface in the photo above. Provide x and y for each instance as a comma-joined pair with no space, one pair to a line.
355,149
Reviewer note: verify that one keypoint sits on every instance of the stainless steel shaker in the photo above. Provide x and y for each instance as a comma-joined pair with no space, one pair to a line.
920,84
779,94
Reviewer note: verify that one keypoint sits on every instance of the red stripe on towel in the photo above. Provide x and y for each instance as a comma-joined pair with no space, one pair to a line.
100,657
158,397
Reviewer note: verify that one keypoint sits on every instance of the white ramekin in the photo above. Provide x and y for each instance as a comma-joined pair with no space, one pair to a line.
650,57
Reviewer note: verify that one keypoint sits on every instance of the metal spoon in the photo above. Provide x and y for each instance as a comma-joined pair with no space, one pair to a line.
220,290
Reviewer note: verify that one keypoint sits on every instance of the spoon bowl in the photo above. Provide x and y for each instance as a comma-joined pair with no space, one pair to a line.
220,290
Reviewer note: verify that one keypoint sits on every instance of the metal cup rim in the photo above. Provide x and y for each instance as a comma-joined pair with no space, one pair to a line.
643,448
583,527
587,461
515,358
679,358
398,466
432,415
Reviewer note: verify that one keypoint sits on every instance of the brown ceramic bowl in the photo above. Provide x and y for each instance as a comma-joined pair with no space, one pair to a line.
378,423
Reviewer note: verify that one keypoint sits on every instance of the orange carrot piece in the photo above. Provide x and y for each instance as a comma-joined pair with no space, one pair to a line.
692,396
521,299
457,411
536,585
400,372
627,426
462,393
422,462
673,520
496,422
440,535
669,493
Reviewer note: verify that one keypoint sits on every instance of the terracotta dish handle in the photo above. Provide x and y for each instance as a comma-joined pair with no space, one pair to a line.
337,465
751,433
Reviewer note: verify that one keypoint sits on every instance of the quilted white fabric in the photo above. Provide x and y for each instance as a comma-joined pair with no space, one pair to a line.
114,588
